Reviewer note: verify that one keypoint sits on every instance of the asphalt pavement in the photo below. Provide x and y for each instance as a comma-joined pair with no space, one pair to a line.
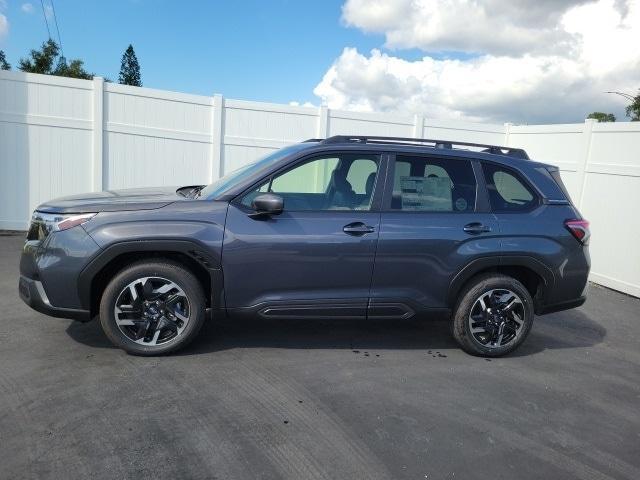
267,399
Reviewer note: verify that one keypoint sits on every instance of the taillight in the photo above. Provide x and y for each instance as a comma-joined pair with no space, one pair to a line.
579,229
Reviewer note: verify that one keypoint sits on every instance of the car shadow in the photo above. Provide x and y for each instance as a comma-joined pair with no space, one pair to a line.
569,329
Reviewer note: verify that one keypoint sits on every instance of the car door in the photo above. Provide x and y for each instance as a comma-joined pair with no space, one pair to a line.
434,221
316,258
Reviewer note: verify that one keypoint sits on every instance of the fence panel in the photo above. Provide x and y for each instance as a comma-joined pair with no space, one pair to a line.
155,138
253,129
490,134
45,142
610,201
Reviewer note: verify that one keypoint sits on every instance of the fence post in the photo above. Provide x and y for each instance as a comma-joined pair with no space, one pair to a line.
216,166
507,132
323,122
587,131
418,125
98,180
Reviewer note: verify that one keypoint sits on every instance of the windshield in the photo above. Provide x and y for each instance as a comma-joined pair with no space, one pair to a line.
237,176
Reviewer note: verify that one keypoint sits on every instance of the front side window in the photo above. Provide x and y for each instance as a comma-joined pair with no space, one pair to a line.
237,176
331,182
433,185
507,192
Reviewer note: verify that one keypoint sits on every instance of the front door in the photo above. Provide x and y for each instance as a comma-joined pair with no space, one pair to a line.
430,229
316,258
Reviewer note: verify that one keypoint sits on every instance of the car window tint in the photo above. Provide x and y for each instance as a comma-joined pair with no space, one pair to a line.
507,192
311,177
433,185
337,182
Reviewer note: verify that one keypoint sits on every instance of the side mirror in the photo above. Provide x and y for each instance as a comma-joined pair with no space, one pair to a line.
267,204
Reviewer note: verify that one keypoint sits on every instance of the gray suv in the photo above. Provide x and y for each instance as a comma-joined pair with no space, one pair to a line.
348,227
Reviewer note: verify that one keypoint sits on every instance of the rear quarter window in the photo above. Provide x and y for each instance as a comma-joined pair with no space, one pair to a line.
508,191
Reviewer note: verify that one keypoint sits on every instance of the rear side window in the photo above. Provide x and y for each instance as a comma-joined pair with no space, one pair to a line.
427,184
508,192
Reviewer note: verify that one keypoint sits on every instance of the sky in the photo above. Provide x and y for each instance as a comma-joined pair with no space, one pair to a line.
520,61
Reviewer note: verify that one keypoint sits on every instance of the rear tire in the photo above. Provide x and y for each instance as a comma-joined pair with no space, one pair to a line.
493,316
152,308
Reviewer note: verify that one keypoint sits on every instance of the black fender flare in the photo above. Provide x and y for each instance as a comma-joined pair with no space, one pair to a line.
194,250
479,264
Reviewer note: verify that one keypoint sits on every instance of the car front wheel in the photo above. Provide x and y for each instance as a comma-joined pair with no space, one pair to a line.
152,308
493,316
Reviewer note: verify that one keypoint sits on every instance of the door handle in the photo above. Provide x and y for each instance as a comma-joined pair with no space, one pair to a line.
357,228
476,228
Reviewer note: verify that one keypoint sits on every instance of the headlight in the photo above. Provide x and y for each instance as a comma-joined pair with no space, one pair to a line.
42,224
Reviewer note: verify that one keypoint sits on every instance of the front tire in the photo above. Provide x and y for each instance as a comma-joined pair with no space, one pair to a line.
152,308
493,316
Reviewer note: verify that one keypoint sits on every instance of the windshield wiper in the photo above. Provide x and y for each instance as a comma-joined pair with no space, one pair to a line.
195,193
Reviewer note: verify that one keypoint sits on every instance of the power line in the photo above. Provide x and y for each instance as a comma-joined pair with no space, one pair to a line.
44,12
55,19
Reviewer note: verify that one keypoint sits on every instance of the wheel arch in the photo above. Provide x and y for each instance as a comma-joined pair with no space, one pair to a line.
533,274
96,275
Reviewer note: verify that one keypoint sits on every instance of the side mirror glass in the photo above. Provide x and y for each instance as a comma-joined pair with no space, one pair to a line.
267,204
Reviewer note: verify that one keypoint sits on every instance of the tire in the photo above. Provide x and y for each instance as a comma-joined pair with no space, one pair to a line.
148,297
477,330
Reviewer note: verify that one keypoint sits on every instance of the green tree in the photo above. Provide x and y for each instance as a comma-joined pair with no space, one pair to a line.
602,117
130,69
633,110
73,69
4,65
43,61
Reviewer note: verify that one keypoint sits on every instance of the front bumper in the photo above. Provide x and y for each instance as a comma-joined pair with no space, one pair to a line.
49,272
32,293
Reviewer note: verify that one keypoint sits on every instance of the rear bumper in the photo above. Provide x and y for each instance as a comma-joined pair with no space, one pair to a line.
32,293
557,307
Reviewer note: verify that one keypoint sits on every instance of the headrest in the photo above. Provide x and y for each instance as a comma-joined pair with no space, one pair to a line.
371,180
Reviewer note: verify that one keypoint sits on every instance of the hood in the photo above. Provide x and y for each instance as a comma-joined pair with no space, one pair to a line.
113,201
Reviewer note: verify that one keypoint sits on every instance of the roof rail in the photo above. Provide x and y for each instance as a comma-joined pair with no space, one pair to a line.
439,144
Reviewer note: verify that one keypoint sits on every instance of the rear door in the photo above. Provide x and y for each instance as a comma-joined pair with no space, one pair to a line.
316,258
434,221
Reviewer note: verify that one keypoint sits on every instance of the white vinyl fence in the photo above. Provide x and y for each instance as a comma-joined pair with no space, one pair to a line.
62,136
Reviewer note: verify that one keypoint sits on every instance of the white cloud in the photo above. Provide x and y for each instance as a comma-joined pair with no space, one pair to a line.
4,23
4,26
27,8
480,26
298,104
582,51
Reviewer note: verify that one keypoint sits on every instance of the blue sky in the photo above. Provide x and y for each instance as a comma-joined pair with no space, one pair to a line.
276,50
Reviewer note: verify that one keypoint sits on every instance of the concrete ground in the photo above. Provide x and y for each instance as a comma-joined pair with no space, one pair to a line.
322,399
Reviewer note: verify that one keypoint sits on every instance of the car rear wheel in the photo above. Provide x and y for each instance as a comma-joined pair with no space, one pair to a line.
152,308
493,316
